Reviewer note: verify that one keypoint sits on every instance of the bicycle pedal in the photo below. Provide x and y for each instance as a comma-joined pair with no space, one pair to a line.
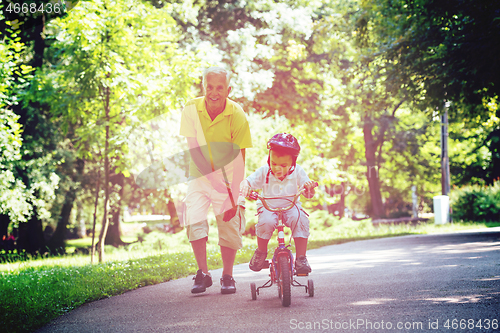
302,274
266,264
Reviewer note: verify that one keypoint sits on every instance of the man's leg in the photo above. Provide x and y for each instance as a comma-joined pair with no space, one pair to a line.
197,205
229,232
229,241
227,282
200,253
203,279
228,255
197,231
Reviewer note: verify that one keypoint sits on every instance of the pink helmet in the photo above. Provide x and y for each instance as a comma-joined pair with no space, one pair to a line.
286,142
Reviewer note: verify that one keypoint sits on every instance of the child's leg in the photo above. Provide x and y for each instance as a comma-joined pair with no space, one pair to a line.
265,227
301,264
300,246
264,231
299,223
262,244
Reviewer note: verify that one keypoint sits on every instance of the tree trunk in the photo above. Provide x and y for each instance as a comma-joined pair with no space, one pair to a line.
39,45
113,237
4,225
92,250
56,243
371,170
82,229
340,205
343,194
31,235
105,221
174,217
494,148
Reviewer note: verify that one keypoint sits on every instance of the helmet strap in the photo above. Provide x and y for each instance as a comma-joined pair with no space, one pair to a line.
290,171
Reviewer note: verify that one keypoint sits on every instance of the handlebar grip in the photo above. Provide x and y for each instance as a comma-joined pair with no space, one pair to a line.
253,195
314,185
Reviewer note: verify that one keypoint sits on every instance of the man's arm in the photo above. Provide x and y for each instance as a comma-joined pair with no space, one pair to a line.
196,155
206,169
203,165
238,174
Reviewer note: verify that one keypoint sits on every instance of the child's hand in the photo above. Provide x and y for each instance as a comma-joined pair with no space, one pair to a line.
245,188
309,186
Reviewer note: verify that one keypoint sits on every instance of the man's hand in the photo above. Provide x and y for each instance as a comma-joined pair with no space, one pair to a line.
309,186
228,209
229,214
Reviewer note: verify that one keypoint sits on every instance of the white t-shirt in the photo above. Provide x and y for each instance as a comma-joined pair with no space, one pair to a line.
290,185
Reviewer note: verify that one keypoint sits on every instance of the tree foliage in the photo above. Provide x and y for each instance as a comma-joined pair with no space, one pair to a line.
17,197
112,66
440,50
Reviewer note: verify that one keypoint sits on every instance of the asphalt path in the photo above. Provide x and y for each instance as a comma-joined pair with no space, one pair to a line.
428,283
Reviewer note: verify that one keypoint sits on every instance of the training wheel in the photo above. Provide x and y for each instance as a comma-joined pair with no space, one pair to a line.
253,288
310,287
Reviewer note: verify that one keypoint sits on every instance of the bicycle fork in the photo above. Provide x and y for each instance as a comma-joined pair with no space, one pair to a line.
282,249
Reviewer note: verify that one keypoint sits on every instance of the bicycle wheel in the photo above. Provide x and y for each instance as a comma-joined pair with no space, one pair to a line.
310,287
253,288
284,281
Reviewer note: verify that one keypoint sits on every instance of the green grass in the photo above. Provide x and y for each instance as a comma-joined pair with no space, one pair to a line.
34,292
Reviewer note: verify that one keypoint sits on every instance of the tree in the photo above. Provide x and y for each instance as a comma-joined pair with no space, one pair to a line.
13,198
37,168
114,66
27,178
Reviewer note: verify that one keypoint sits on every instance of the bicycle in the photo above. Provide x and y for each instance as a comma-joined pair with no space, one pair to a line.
281,267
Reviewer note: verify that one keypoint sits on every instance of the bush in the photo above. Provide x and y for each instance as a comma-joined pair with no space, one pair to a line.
476,203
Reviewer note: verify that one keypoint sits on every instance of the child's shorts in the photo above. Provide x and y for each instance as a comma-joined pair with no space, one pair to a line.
297,222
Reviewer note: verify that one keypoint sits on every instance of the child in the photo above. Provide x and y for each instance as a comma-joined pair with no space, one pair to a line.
281,176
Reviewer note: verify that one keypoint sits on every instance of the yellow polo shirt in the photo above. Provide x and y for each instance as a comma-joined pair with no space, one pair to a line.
220,140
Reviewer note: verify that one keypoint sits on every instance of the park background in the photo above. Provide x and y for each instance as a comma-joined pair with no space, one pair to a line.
91,95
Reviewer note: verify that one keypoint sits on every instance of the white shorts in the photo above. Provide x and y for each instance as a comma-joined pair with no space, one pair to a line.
200,195
295,219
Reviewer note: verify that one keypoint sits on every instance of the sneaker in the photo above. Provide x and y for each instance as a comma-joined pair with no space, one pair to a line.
302,266
257,261
227,283
201,282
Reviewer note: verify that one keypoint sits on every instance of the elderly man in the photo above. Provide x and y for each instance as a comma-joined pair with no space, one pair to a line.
217,132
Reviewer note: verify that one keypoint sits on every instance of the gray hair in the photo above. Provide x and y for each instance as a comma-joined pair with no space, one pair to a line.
216,70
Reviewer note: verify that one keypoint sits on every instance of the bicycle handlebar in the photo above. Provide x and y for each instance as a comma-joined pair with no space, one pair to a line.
254,196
